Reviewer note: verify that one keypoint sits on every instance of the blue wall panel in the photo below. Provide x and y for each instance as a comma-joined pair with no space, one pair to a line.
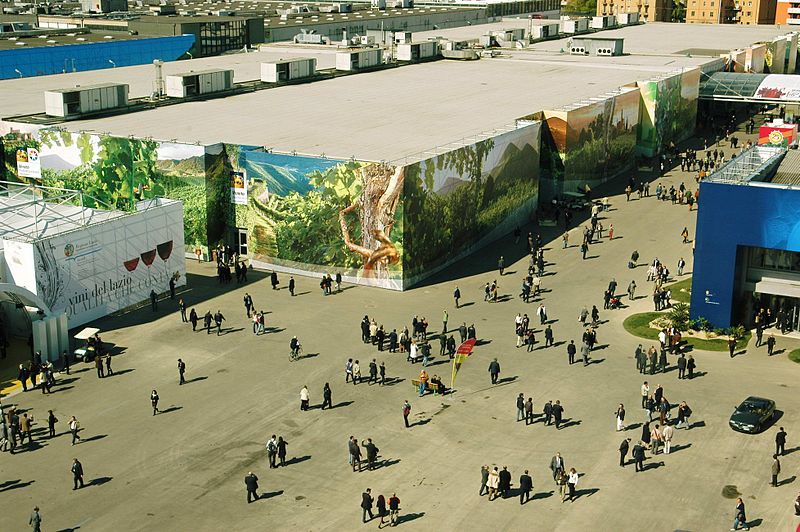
46,60
731,216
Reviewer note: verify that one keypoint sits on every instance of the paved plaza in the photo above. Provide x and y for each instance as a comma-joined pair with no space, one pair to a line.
184,469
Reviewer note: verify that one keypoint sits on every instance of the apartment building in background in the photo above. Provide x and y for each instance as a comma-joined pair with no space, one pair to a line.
747,12
649,10
788,12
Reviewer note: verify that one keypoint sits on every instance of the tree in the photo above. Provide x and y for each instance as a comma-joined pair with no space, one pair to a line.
679,12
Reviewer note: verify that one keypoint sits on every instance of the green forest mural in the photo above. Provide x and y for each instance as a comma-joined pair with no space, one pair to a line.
455,200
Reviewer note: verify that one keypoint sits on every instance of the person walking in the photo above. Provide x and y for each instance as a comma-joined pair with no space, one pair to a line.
153,300
394,509
291,285
406,412
682,366
193,319
456,295
372,453
77,474
444,321
182,307
776,470
154,401
623,451
74,427
572,480
366,505
304,398
638,457
666,434
505,482
690,366
620,416
520,407
326,396
557,465
35,520
218,319
181,371
98,365
571,350
558,412
251,482
484,480
739,516
51,423
272,451
494,370
631,290
529,411
770,345
282,444
780,442
548,336
380,505
493,483
501,264
525,487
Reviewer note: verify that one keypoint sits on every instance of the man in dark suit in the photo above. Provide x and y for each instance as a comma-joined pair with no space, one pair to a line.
557,465
525,487
638,456
557,410
251,481
571,350
366,505
505,482
548,412
682,366
623,451
77,473
780,442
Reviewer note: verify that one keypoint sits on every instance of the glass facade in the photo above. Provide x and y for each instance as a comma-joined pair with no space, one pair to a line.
219,37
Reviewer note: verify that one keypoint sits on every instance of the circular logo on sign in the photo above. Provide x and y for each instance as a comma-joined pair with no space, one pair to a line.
775,137
69,250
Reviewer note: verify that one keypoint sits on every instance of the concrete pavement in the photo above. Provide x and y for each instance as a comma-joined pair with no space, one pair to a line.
184,469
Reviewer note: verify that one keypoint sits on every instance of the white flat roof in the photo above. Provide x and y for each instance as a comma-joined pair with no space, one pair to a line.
399,112
25,219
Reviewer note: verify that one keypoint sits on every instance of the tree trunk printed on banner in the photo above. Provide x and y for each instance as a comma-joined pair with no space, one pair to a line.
380,194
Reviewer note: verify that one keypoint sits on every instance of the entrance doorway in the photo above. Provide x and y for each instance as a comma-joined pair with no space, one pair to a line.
241,241
785,310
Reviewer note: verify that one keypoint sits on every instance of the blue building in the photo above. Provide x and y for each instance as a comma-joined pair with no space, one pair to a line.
80,51
747,253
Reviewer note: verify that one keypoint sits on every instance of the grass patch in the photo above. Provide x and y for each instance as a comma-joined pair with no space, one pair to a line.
639,325
682,290
794,356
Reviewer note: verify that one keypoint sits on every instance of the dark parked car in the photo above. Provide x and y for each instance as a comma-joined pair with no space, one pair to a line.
753,415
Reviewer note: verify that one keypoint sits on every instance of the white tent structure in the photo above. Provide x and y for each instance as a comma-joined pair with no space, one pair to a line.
67,264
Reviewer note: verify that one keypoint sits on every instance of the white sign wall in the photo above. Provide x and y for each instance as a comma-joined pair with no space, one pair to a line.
109,266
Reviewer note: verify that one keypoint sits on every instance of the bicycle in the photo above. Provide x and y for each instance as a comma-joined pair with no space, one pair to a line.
295,354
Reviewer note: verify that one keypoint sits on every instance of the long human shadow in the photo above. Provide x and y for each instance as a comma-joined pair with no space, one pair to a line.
94,438
172,408
196,379
99,481
405,518
9,485
585,492
297,459
271,494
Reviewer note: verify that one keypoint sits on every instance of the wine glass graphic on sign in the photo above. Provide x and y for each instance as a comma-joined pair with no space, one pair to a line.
148,257
164,251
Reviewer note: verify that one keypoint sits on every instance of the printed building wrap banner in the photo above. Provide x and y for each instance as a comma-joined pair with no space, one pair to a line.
456,202
775,56
669,111
779,87
316,215
592,142
28,163
791,53
117,172
92,272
